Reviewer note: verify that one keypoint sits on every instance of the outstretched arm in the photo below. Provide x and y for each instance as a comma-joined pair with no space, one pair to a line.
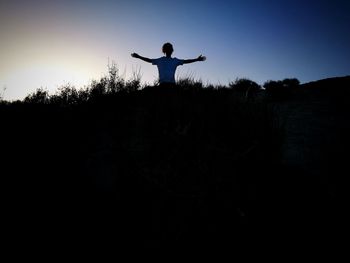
135,55
200,58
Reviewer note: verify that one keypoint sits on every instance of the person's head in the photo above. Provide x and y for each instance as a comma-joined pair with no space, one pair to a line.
168,49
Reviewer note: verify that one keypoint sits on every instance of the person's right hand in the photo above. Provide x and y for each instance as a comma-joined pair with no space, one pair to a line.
135,55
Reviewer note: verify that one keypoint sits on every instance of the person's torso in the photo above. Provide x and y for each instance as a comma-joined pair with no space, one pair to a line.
167,67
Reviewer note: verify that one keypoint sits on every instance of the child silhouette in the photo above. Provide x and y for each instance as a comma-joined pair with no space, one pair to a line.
167,65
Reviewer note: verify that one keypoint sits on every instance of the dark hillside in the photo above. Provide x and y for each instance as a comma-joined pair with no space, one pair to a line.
174,167
317,125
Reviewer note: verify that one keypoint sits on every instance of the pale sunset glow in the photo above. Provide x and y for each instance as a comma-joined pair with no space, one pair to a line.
46,76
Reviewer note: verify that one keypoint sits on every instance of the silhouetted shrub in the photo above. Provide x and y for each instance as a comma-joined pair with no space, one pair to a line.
2,94
40,96
113,82
134,83
291,83
210,87
272,85
281,89
245,86
190,84
98,88
69,95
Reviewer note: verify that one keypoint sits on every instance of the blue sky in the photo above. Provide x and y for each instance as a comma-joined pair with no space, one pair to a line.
51,43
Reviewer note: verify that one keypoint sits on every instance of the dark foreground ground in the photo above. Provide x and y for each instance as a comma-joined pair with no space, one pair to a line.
179,168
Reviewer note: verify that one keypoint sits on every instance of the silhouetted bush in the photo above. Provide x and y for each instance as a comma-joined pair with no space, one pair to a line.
98,88
113,82
69,95
134,84
245,86
291,83
40,96
281,89
189,83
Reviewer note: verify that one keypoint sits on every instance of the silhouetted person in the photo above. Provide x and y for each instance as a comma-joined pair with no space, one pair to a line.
167,65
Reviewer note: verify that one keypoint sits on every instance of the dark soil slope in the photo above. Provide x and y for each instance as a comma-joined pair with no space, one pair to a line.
177,167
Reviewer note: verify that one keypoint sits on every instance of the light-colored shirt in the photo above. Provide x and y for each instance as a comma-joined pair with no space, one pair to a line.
166,68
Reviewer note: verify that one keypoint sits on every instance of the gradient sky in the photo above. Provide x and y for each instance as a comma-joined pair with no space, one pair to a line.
51,43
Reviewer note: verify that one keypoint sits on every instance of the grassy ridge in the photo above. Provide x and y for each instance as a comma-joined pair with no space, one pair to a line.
153,167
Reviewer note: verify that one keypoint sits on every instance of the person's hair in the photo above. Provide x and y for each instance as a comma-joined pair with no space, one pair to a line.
167,48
